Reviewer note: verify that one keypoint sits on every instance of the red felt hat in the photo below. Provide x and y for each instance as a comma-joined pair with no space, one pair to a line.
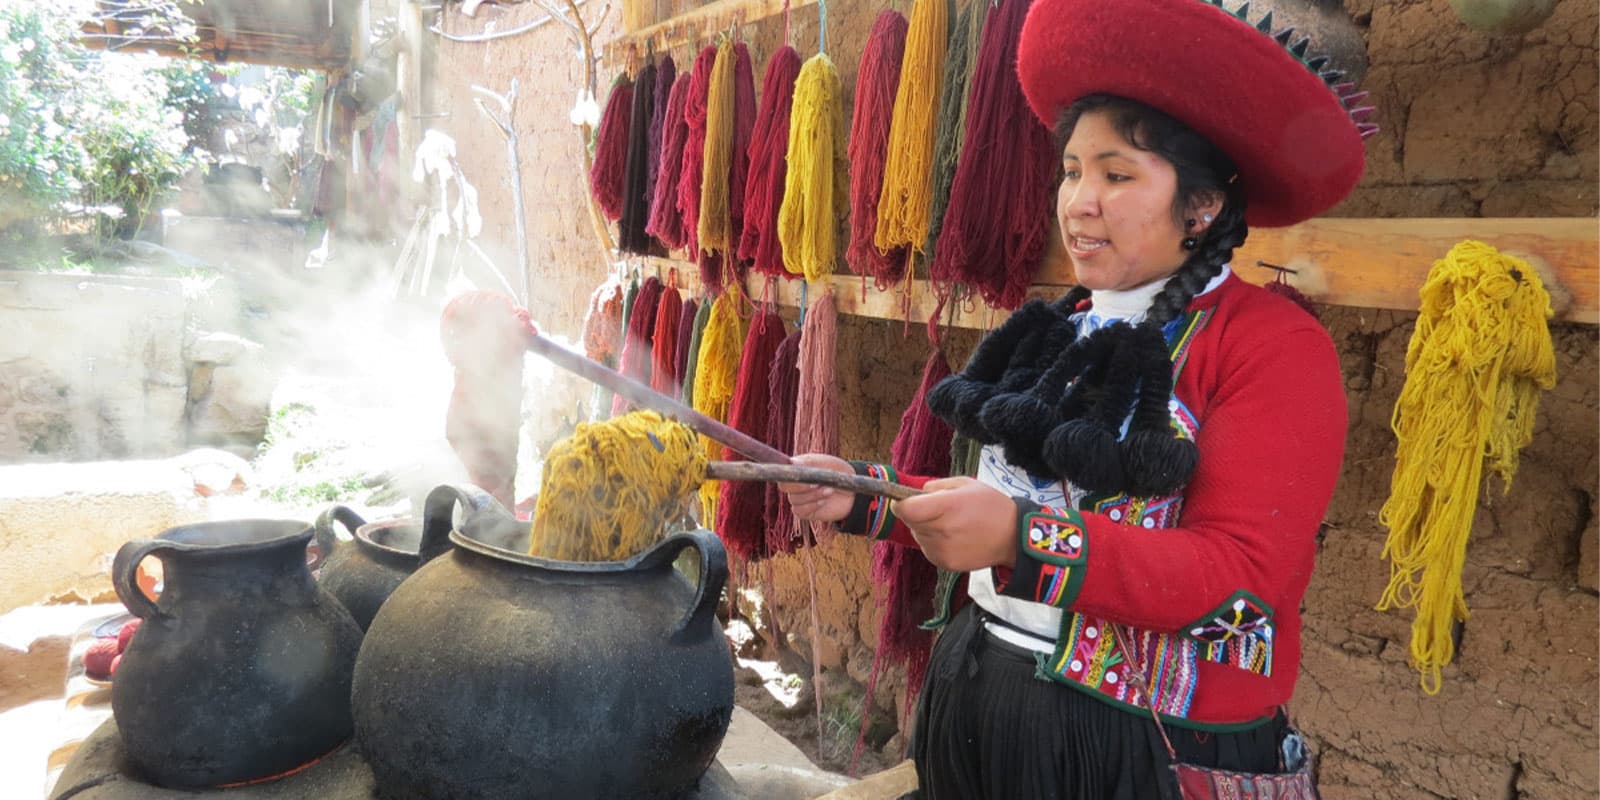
1292,129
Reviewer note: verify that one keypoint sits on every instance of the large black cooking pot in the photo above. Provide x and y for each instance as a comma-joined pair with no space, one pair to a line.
241,671
491,674
363,571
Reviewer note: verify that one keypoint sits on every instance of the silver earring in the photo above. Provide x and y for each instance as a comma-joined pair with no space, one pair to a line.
1207,218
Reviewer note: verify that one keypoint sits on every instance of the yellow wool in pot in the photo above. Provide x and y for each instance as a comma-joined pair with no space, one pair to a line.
612,489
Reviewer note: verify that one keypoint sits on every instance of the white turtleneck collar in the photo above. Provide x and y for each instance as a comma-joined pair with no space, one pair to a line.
1110,305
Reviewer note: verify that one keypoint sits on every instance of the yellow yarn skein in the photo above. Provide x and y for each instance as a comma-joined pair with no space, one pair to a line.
816,188
907,194
716,374
612,489
1476,363
716,218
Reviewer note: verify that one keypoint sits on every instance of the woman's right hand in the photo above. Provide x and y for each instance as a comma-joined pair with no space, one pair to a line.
820,503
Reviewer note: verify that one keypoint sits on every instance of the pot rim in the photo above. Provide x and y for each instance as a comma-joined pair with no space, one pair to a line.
363,535
583,567
295,532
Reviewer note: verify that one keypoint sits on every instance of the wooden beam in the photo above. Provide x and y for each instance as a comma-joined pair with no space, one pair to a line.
1363,263
1382,263
692,26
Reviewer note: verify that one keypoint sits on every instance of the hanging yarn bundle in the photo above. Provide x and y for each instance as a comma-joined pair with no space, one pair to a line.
715,215
816,423
602,325
997,223
950,127
635,362
666,222
631,236
611,149
876,81
741,506
815,191
665,79
612,489
906,578
1476,364
716,376
783,389
903,208
691,172
744,124
682,341
664,375
691,363
769,143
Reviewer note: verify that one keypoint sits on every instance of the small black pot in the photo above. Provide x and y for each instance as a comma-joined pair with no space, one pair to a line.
362,572
241,671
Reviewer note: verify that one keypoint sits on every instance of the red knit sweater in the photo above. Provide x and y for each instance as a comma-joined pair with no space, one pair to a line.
1206,586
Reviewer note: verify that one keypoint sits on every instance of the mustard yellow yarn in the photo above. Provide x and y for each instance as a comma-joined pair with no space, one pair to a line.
716,373
903,205
610,492
1475,366
716,218
816,192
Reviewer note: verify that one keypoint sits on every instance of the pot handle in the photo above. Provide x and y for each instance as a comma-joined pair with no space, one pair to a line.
125,575
698,621
327,537
438,516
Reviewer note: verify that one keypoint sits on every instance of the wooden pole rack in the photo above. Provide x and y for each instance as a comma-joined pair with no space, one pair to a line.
1357,262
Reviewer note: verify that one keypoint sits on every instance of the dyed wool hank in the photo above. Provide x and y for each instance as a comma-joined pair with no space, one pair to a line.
783,389
664,375
631,236
903,209
691,173
716,376
816,191
997,223
613,489
636,346
666,223
1477,362
611,149
769,142
666,79
877,79
741,506
816,425
950,126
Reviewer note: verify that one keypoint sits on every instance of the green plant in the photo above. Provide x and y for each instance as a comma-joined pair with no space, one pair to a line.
79,124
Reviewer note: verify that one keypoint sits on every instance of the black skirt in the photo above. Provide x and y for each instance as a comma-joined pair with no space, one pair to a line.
987,728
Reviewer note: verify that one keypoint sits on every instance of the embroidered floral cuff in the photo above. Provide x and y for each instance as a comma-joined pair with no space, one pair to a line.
1052,548
870,516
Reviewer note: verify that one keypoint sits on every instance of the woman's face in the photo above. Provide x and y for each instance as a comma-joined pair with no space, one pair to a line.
1115,207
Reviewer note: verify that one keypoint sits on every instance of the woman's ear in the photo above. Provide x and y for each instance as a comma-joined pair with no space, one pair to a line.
1203,210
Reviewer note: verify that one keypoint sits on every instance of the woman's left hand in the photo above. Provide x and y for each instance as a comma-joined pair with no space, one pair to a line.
962,524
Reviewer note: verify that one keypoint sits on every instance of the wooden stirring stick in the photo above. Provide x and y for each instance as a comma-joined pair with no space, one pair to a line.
773,466
646,397
795,473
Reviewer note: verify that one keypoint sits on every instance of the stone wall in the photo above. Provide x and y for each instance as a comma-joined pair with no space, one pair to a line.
1473,125
99,367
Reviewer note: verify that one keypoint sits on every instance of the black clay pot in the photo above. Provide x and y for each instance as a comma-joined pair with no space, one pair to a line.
363,571
491,674
242,670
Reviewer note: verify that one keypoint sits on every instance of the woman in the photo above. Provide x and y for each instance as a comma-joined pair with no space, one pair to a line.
1160,445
